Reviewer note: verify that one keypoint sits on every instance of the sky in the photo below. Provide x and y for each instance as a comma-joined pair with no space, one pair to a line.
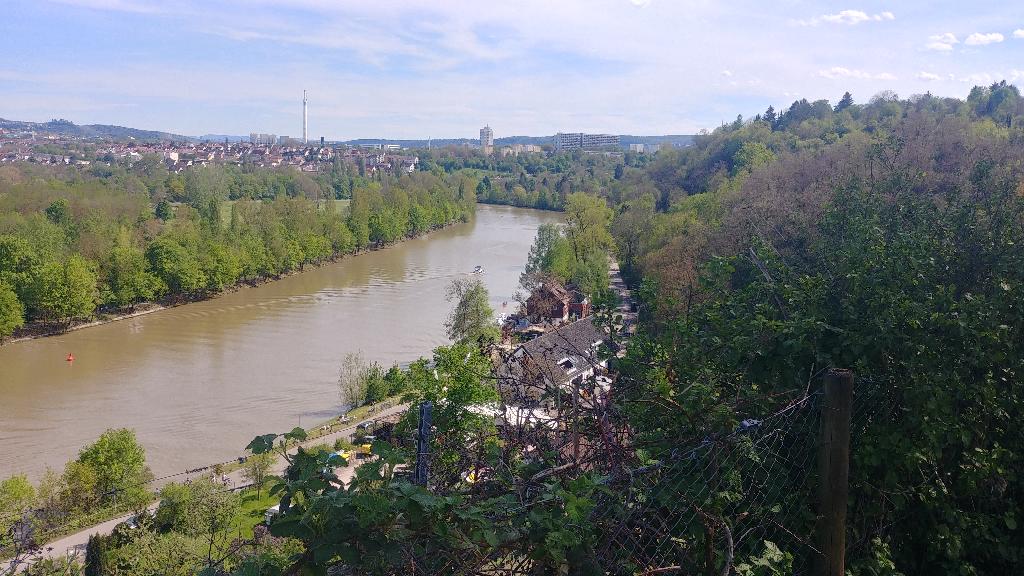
443,68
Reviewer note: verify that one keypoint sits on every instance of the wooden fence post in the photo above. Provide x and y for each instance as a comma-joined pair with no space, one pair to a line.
834,468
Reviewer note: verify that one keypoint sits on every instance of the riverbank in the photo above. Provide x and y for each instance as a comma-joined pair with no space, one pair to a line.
72,540
514,205
250,361
45,329
41,329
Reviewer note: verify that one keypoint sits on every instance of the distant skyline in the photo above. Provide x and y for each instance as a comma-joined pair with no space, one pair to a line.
415,69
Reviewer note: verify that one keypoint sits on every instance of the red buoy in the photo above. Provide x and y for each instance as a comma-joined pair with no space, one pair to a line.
71,357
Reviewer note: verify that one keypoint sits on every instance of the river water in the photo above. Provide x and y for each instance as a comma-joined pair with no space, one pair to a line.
197,382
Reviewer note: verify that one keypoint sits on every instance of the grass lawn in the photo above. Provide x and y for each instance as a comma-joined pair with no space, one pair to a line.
251,512
360,413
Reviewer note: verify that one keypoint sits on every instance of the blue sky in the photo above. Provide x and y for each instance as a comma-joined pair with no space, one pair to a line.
443,68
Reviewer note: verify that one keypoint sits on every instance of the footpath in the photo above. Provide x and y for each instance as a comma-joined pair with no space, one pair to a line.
627,304
74,544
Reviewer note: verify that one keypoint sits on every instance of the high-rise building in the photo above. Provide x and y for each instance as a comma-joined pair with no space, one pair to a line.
579,140
305,118
486,140
263,139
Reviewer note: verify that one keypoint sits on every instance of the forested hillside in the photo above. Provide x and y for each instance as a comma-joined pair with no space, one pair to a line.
885,238
68,128
73,241
536,180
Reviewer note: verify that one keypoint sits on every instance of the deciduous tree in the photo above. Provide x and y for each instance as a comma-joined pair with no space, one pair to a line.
128,278
472,319
120,465
65,290
256,468
12,313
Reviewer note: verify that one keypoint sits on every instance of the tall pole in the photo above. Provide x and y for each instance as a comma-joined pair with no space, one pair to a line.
834,466
421,474
305,119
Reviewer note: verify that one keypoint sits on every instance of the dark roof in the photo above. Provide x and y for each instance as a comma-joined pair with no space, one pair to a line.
555,289
551,360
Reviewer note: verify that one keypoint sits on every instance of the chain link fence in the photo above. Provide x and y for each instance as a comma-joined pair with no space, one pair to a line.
700,507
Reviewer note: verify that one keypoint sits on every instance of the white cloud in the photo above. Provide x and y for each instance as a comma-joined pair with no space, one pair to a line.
1018,33
118,6
849,17
979,39
977,79
407,68
838,72
942,42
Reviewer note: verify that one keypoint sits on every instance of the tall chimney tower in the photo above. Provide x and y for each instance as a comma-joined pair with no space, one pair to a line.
305,119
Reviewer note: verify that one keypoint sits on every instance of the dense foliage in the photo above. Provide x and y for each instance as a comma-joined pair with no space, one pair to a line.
575,252
885,238
472,319
535,180
109,476
71,242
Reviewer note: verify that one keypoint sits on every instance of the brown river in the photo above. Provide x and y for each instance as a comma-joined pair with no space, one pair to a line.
197,382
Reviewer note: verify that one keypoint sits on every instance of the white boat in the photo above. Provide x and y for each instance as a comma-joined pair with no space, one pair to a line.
478,270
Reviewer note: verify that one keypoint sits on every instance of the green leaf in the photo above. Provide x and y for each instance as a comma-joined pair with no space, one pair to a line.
262,444
297,433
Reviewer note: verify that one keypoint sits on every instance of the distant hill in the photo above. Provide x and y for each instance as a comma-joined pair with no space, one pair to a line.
63,127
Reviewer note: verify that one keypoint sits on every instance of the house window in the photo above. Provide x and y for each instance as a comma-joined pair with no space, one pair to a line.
565,364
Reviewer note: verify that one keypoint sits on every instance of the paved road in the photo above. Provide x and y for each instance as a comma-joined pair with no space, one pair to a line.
617,284
75,543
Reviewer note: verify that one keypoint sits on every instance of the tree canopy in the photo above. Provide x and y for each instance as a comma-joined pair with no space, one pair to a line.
472,320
